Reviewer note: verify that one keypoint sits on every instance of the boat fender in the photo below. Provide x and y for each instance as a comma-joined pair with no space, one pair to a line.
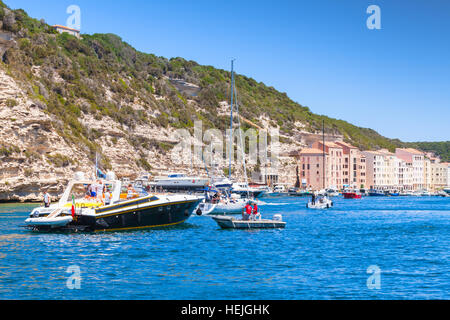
199,212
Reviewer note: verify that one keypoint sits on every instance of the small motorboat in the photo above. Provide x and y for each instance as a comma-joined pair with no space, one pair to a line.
320,203
227,222
377,193
352,195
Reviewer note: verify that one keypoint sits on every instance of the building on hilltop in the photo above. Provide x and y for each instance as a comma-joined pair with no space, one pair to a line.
63,29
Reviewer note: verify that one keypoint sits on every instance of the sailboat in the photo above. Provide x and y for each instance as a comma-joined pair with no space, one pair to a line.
321,202
225,202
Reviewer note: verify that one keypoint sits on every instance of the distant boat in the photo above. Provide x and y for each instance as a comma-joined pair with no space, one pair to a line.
278,191
221,182
320,203
294,192
180,181
351,195
244,189
377,193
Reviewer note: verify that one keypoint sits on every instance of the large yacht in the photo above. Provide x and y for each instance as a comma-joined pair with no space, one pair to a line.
180,181
82,210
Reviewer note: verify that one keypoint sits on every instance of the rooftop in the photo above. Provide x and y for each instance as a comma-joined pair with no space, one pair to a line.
65,28
311,151
345,144
413,151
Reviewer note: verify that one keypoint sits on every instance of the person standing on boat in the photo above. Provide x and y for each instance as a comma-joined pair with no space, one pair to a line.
255,210
313,200
47,200
247,212
108,197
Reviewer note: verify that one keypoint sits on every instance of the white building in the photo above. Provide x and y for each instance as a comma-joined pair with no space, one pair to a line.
382,168
63,29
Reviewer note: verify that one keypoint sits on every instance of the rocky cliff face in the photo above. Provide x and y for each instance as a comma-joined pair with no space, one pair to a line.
34,157
64,100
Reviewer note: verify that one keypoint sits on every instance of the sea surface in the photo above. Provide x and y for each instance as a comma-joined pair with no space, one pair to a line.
320,255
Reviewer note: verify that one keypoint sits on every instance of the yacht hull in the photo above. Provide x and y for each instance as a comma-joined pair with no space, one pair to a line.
132,217
149,217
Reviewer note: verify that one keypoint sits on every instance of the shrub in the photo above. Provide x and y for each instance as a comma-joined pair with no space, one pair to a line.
11,103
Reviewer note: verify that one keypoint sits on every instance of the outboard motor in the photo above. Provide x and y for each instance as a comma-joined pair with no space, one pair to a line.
278,217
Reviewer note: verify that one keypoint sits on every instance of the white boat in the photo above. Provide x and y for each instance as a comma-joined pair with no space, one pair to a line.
80,209
332,192
244,189
180,181
226,222
320,203
226,205
279,190
221,182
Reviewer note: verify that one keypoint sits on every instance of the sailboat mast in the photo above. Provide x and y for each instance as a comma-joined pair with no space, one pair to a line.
231,120
324,160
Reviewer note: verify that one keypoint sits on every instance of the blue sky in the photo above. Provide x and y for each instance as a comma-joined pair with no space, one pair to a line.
395,80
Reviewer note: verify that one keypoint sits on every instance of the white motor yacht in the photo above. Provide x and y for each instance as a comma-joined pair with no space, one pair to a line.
81,209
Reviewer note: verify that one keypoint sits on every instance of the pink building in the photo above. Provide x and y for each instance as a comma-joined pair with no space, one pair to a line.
334,163
310,162
416,161
354,166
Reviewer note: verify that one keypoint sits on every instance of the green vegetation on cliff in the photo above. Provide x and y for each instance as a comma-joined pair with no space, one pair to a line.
103,76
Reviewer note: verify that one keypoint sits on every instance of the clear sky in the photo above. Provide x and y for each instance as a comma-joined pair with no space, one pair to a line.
395,80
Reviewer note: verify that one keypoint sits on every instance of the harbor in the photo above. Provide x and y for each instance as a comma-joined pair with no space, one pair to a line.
194,151
320,254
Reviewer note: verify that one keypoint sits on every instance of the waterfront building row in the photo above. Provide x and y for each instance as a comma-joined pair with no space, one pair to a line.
346,166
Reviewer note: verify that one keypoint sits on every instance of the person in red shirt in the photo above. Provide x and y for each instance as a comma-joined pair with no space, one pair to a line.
255,209
247,212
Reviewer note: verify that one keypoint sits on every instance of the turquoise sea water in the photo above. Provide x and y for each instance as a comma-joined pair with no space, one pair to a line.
320,255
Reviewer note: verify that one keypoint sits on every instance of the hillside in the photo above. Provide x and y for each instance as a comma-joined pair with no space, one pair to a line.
64,100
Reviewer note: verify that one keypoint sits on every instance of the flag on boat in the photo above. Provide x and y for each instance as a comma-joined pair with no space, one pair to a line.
73,206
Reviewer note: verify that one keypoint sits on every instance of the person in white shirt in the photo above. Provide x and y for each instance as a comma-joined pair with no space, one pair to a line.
47,200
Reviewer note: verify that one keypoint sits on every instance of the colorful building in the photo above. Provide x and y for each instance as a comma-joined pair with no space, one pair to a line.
334,163
382,170
416,159
353,167
311,164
